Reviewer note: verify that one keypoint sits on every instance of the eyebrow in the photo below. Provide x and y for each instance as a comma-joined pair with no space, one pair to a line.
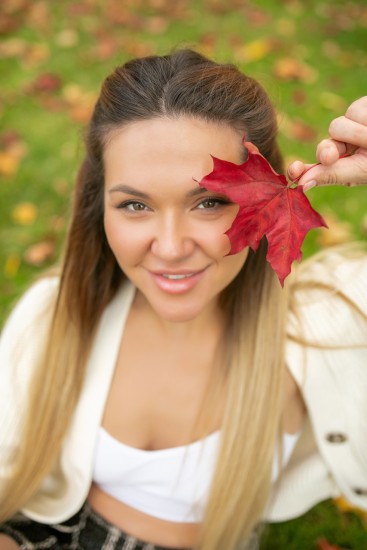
121,188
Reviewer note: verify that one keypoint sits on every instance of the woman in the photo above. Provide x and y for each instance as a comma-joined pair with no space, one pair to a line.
145,393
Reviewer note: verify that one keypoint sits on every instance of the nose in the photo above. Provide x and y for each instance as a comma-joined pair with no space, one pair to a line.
172,240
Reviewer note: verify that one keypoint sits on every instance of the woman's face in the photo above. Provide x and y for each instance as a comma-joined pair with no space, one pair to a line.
166,232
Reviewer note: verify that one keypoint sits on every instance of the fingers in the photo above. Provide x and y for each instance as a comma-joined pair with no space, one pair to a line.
343,156
346,171
357,111
328,151
348,131
295,170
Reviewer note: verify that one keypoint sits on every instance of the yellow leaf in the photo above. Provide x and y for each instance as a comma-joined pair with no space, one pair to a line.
12,264
255,50
345,506
25,213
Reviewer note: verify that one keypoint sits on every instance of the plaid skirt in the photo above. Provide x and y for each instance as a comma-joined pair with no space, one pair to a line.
87,530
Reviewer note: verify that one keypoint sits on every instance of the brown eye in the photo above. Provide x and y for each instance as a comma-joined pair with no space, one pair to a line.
133,206
211,203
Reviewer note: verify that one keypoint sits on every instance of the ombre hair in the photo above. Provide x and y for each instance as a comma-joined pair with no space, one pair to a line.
252,360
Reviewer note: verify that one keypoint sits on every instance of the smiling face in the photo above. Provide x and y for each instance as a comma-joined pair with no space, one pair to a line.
166,232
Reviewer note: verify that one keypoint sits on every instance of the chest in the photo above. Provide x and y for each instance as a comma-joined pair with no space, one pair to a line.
157,391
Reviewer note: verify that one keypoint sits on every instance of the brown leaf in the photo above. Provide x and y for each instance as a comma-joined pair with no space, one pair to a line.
35,55
157,24
289,68
301,131
39,253
324,544
14,47
106,46
299,97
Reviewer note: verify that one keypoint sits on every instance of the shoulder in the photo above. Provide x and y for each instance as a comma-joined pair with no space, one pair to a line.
29,320
329,295
36,301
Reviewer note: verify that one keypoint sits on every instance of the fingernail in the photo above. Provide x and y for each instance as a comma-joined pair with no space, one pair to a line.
309,185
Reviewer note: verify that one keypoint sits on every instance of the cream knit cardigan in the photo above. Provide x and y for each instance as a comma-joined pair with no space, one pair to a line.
331,456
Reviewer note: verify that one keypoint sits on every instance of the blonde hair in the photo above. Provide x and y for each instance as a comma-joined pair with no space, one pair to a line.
184,83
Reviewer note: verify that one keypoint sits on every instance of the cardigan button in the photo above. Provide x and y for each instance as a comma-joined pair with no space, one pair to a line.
361,492
336,437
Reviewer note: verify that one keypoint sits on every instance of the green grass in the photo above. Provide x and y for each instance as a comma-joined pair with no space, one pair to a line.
82,41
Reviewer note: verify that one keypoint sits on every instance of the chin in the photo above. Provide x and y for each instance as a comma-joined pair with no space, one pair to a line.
177,313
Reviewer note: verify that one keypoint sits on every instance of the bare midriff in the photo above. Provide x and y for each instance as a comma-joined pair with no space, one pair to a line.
143,526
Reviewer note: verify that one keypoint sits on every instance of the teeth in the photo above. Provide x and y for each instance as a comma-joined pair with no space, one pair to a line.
176,277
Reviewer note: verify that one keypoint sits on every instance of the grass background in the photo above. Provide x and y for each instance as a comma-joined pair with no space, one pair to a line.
311,56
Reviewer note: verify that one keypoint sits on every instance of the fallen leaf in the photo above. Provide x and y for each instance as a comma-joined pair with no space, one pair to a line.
332,101
46,83
269,206
255,50
12,264
301,131
344,506
14,47
290,68
324,544
285,26
157,24
24,213
9,163
39,253
299,97
35,55
67,38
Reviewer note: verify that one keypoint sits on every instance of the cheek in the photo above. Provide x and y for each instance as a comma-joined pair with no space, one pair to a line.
214,234
121,239
213,240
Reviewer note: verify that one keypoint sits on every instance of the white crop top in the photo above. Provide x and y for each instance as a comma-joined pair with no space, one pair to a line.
170,484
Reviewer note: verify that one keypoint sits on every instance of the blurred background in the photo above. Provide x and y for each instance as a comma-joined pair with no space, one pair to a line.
311,56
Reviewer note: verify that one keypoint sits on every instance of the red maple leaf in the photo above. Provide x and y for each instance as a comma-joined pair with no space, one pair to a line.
269,206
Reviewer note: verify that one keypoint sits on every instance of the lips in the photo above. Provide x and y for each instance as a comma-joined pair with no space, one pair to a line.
177,282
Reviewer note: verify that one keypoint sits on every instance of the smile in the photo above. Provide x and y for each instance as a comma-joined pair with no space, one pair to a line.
177,283
177,277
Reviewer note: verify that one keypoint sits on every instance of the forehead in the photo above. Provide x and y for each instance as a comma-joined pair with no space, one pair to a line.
165,143
181,136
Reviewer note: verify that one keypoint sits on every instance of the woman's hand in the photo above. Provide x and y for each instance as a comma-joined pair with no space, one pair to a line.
348,136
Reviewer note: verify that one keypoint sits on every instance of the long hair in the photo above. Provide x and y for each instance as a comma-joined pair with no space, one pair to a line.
181,84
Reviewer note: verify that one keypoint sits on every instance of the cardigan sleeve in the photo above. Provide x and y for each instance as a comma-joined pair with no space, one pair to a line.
21,344
327,355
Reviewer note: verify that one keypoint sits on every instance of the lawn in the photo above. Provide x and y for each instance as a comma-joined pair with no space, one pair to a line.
311,57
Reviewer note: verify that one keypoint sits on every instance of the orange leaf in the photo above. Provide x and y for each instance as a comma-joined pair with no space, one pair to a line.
8,163
39,253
